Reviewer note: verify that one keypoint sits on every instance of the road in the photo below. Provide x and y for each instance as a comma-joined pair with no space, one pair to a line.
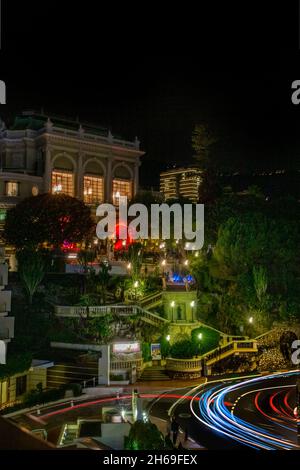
254,412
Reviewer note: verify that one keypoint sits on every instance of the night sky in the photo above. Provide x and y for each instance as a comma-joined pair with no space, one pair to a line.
153,80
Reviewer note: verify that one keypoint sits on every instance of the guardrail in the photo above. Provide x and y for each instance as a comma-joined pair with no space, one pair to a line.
127,365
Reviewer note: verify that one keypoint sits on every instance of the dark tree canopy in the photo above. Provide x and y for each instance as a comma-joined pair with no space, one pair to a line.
48,218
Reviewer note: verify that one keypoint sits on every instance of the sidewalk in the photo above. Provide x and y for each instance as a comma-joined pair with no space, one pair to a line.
188,444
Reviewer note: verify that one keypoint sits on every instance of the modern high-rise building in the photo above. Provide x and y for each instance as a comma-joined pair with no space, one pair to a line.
181,182
39,154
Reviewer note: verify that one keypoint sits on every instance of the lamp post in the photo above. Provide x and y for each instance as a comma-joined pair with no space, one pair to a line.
200,336
135,285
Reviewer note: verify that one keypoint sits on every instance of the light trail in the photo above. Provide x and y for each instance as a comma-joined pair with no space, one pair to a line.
213,412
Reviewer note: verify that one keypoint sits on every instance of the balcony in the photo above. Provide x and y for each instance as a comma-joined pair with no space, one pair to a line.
5,302
3,274
7,328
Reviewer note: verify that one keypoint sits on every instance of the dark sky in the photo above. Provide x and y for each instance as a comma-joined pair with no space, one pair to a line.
141,75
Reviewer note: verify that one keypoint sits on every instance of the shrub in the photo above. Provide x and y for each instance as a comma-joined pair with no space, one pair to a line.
146,352
75,387
185,349
144,436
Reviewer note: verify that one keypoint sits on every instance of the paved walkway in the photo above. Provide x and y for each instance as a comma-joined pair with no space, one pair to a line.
186,444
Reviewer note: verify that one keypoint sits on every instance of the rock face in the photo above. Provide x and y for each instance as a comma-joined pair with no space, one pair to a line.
275,347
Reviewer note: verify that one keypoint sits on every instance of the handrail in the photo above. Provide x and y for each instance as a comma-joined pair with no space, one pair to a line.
233,345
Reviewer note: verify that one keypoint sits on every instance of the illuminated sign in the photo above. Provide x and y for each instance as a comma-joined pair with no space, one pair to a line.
125,348
2,352
2,92
156,351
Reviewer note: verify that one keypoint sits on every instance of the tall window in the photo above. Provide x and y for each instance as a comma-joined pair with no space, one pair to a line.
62,182
93,189
121,188
12,188
21,385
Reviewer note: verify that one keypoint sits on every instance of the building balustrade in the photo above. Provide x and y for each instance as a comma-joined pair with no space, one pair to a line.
183,365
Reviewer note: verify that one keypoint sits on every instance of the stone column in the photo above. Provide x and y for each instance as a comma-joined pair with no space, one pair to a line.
136,178
47,170
108,180
79,177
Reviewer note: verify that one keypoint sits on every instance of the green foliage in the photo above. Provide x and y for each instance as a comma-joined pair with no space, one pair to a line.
47,218
144,436
31,267
135,258
164,346
85,257
146,352
209,340
16,363
185,349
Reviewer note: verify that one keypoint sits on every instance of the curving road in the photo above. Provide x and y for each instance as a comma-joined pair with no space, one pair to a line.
251,413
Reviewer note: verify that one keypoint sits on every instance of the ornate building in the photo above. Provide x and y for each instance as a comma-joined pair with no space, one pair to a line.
40,154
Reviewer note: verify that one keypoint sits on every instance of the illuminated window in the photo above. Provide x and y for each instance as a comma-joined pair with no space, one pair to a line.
62,182
121,188
12,188
93,189
21,385
2,215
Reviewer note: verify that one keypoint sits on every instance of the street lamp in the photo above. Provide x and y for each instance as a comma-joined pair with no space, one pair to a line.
200,336
135,285
251,319
172,306
168,337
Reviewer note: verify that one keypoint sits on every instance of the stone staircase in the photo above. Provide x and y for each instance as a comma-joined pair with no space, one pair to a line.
156,373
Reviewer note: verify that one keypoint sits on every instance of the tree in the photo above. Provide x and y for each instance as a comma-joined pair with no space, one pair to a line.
31,270
103,278
203,141
144,436
47,218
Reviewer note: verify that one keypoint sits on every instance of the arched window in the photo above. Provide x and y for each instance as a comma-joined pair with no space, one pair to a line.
63,176
122,183
93,183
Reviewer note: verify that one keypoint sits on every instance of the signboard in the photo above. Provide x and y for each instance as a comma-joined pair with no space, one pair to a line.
156,352
2,352
125,348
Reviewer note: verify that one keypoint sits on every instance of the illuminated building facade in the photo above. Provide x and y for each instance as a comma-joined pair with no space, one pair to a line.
41,154
181,182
